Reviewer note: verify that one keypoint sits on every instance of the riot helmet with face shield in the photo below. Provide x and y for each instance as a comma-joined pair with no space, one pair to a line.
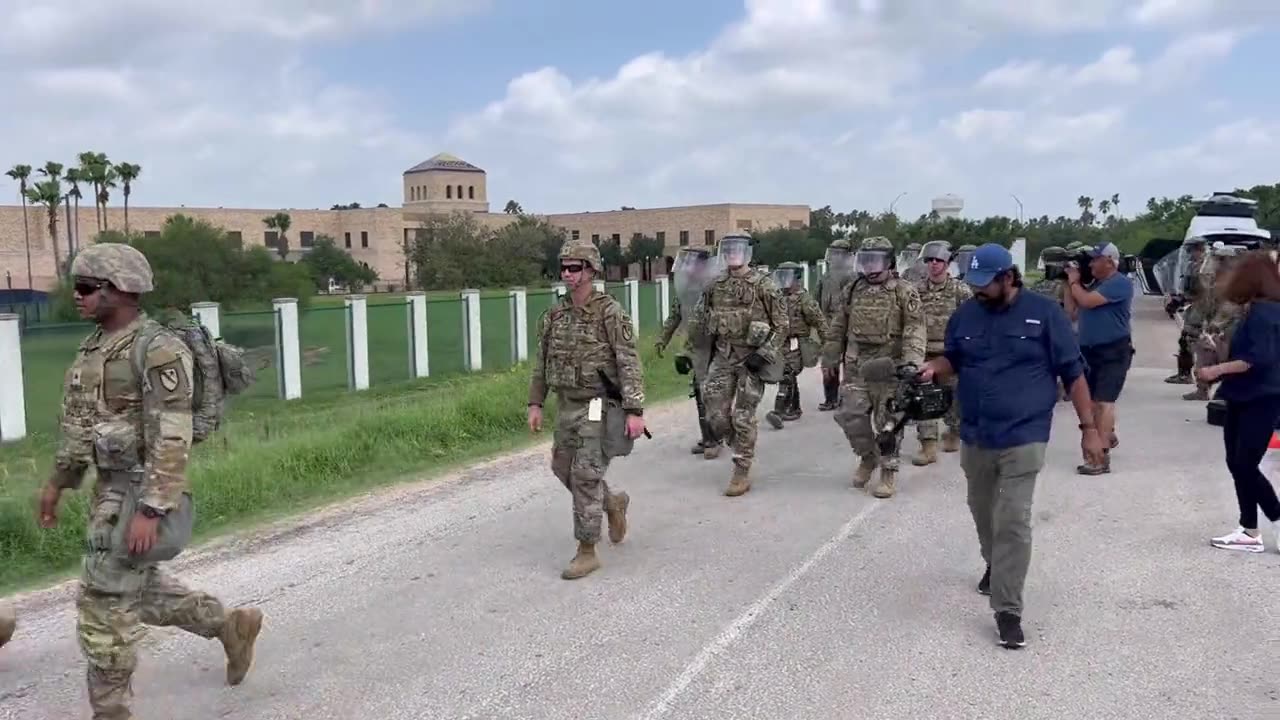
694,270
789,277
875,258
735,250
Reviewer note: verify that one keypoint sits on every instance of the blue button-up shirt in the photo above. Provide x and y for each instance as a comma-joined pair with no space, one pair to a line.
1009,362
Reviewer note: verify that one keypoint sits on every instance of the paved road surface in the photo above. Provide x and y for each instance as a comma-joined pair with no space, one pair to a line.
804,599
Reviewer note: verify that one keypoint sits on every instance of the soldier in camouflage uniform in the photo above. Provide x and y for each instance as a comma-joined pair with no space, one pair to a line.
800,351
839,272
692,273
746,316
1221,319
587,345
961,262
137,433
1055,257
912,263
879,316
940,295
1191,285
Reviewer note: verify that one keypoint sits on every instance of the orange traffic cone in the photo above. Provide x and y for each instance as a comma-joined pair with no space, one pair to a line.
1275,442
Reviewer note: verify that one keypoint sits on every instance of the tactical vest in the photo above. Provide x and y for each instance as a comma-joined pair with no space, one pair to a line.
577,345
937,301
875,316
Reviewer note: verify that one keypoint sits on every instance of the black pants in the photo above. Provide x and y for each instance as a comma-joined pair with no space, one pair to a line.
1246,434
1106,367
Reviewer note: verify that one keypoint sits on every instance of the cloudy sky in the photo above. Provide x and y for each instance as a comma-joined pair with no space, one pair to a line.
592,104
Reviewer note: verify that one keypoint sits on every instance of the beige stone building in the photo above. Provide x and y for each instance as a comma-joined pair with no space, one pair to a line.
376,236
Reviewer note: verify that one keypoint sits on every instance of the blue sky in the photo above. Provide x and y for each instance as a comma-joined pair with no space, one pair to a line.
578,105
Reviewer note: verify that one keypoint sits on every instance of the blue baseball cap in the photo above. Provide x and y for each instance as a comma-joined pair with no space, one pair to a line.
986,262
1105,250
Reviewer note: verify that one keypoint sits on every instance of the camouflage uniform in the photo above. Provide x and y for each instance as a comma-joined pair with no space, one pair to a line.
912,264
1220,320
575,345
1054,257
799,351
876,319
828,292
137,434
939,300
746,317
696,352
1192,291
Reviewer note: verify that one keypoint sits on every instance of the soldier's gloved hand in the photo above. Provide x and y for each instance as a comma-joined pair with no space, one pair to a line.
683,364
754,362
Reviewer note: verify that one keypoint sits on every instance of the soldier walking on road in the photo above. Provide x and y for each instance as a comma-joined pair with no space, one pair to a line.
940,295
1191,287
800,351
692,273
587,356
128,411
830,286
880,316
746,317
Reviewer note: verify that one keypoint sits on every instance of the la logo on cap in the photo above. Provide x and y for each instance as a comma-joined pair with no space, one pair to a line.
973,263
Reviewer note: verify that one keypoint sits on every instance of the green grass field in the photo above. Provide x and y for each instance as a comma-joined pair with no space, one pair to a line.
275,457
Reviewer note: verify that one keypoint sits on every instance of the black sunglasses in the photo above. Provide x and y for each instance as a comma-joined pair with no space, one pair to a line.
85,288
571,268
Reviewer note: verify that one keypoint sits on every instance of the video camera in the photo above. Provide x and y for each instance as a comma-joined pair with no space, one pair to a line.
1126,265
913,399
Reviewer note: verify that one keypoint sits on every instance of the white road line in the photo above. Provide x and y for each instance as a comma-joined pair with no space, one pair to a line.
661,706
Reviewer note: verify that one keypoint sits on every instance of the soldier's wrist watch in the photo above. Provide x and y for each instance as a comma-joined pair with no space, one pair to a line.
150,512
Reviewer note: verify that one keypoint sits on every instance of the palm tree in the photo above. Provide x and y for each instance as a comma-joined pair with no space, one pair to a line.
52,171
49,194
128,172
280,222
98,170
21,173
75,176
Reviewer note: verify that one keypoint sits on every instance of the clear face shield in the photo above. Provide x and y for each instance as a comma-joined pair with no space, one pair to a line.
934,255
692,274
839,261
735,252
871,262
961,263
909,255
787,279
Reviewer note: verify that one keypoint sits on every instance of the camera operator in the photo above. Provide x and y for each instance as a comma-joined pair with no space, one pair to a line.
1009,348
1103,310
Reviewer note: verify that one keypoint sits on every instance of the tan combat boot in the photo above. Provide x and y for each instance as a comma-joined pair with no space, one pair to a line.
238,636
1200,393
928,453
886,487
950,442
740,484
615,508
711,452
862,475
582,564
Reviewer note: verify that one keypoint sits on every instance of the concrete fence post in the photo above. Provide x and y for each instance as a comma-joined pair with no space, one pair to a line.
519,325
288,349
664,298
206,313
633,302
357,342
471,330
419,360
806,277
559,289
13,404
598,285
822,268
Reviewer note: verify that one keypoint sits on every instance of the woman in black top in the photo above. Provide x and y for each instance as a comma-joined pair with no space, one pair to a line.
1251,388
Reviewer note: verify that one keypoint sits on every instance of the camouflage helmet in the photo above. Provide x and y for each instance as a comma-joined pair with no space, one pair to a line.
878,242
913,245
1074,245
584,251
842,244
121,265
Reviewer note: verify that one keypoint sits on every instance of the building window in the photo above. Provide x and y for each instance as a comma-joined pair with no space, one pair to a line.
595,238
307,238
413,193
471,192
422,192
744,224
152,233
575,234
661,237
346,238
364,238
616,237
235,237
711,237
270,239
684,238
459,192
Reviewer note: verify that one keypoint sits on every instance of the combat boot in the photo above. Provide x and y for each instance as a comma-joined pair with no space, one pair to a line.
862,475
774,419
711,451
1200,393
697,449
928,453
239,635
951,442
615,508
740,483
582,564
886,487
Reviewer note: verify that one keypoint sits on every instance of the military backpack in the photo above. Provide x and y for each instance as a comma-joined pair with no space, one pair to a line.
219,369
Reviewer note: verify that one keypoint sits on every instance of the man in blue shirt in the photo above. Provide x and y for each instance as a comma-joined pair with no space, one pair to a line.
1105,339
1010,348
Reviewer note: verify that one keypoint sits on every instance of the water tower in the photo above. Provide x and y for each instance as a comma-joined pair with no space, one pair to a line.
948,206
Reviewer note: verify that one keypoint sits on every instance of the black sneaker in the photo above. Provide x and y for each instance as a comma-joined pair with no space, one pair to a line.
1010,628
984,585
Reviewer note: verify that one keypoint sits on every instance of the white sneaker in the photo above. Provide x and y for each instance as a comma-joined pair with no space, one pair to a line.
1239,540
